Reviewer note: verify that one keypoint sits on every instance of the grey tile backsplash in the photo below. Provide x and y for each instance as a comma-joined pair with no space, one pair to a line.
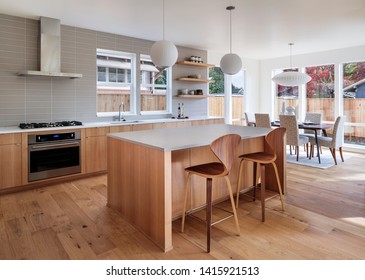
47,99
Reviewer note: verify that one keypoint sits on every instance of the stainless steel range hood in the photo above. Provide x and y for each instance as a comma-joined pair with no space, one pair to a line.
50,51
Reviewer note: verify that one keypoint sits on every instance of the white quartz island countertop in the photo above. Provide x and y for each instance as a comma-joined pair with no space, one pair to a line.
178,138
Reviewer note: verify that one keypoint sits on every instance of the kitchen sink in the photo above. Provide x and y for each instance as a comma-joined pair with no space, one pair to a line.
126,121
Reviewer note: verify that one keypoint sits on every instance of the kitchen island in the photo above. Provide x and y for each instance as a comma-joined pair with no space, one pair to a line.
146,174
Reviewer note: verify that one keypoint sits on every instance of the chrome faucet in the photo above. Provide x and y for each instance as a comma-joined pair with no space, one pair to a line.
121,109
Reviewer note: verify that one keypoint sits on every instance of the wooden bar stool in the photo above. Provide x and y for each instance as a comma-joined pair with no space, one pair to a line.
260,160
224,148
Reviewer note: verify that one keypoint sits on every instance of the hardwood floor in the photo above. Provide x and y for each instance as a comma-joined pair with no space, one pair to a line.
324,219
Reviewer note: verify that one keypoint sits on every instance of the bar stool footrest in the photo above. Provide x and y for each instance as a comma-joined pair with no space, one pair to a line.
190,214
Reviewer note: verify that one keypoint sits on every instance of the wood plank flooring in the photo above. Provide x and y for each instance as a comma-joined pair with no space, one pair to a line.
324,219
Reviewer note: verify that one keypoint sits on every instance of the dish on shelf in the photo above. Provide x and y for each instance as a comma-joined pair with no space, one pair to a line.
182,91
195,76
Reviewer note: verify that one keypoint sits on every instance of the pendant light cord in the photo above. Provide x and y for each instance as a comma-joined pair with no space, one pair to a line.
230,31
291,60
230,8
163,19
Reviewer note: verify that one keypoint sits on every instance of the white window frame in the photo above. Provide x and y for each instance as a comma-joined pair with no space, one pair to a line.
168,90
114,85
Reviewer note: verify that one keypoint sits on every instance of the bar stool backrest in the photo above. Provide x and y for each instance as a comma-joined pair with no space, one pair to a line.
277,134
224,148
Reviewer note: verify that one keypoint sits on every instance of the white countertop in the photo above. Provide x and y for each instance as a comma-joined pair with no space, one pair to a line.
16,129
177,138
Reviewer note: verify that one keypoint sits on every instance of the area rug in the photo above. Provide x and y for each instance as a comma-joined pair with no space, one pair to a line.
326,159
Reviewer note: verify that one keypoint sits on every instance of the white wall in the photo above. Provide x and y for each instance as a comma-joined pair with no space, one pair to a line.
266,95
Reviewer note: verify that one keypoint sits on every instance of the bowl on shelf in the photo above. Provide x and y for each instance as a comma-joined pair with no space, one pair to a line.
195,76
182,91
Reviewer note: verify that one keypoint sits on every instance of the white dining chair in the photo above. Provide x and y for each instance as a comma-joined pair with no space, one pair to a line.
315,118
262,120
292,133
250,119
334,142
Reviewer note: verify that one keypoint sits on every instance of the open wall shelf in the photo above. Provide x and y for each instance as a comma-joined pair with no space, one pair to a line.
190,63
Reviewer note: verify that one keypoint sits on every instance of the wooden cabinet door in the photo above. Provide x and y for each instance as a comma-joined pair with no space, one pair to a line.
10,161
96,149
120,128
145,126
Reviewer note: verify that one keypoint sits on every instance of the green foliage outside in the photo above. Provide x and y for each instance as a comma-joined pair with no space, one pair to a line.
217,87
217,75
353,72
161,79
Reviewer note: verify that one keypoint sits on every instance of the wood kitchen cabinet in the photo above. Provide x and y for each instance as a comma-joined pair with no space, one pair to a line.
164,125
10,160
96,149
96,146
207,121
120,128
145,126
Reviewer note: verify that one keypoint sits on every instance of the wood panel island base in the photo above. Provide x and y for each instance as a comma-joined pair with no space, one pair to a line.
146,174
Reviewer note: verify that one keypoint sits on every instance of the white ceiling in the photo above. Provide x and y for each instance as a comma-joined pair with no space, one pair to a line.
261,28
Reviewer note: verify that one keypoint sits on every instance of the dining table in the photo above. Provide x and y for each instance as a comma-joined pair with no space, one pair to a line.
311,126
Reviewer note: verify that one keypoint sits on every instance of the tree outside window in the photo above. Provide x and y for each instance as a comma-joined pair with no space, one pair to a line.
217,90
322,84
320,91
354,80
216,74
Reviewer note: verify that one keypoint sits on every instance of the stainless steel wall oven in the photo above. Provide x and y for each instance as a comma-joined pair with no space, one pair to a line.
53,155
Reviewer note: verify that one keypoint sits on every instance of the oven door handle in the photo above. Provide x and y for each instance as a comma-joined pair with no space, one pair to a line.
58,145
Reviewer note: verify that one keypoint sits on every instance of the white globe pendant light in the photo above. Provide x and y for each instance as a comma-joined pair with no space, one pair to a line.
230,63
163,53
291,78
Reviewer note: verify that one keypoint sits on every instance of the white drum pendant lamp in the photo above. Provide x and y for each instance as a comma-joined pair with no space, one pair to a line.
164,52
230,63
291,78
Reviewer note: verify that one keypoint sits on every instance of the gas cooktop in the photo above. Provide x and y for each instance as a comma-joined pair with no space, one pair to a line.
51,124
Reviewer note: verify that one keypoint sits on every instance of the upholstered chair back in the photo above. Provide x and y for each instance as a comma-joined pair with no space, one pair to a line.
338,132
314,118
262,120
292,131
